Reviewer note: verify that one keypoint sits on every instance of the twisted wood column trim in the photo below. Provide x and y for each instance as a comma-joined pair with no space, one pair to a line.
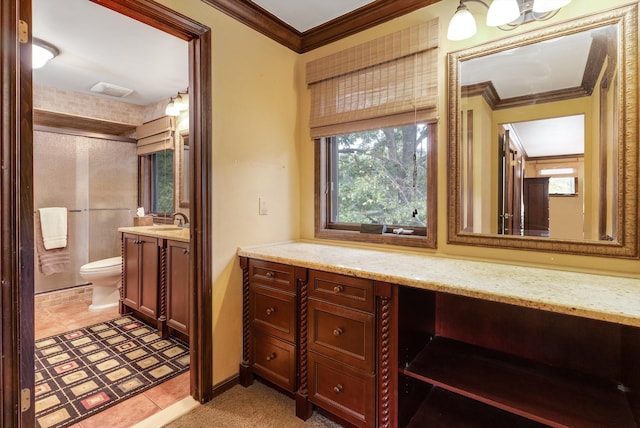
384,370
246,328
302,344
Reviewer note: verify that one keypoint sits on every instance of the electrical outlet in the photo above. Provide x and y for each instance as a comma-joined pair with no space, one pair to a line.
263,207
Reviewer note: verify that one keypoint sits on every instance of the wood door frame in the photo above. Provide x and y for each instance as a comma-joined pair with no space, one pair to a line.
199,38
16,193
16,217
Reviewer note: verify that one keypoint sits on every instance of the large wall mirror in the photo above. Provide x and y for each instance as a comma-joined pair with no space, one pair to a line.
543,149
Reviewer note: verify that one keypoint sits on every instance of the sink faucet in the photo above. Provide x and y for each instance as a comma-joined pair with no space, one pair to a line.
181,221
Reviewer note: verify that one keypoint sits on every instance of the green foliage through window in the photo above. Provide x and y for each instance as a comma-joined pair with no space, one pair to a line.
162,182
380,176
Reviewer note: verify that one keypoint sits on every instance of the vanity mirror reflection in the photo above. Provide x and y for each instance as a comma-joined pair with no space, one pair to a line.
543,139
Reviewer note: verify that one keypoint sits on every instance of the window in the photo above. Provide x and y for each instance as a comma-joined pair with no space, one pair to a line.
563,186
373,113
157,182
379,177
156,150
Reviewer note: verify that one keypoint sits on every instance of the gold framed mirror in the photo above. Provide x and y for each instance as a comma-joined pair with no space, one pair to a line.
543,139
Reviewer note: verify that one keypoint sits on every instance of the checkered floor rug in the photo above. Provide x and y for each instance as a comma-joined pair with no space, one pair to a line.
82,372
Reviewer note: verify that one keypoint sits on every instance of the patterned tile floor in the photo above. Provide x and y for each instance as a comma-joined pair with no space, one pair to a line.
60,318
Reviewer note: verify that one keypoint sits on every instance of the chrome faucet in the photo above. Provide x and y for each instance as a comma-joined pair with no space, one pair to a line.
182,222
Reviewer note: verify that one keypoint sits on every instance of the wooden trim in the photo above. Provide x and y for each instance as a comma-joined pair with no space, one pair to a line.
360,19
469,183
16,217
51,119
199,36
260,20
225,385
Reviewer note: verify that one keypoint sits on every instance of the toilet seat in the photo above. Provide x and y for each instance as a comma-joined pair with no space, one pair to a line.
102,266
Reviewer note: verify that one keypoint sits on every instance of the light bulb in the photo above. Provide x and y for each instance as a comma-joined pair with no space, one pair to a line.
502,12
171,109
462,25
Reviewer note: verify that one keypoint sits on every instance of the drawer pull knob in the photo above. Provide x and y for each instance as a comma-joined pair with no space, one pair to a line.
271,356
338,289
337,331
270,311
337,389
269,274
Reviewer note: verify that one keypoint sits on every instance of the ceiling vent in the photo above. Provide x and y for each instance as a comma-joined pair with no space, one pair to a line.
111,90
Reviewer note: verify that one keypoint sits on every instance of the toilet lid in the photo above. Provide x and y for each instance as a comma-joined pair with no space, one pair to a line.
102,264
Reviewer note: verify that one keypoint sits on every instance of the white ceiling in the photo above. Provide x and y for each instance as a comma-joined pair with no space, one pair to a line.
306,14
99,45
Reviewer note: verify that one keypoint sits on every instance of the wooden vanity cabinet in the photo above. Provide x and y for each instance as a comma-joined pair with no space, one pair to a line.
140,255
342,346
177,285
156,281
270,317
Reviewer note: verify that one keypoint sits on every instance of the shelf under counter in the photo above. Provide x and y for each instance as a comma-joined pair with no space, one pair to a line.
529,389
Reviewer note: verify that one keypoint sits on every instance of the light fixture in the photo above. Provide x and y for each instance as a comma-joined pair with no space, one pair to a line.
504,14
178,104
182,100
42,52
171,109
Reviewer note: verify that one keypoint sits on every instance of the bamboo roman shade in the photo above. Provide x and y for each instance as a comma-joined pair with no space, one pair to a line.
392,80
156,136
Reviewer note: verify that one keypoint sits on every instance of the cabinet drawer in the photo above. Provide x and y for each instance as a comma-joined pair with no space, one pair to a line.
343,290
275,360
341,390
273,312
272,274
342,334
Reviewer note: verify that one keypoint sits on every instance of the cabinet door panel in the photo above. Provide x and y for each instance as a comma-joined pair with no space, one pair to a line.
342,390
131,291
342,333
274,312
275,360
148,276
178,290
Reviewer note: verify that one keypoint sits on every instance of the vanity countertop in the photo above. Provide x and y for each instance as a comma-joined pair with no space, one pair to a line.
600,297
174,233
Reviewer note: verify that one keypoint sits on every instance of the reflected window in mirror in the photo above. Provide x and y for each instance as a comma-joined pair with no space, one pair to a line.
516,111
156,182
383,177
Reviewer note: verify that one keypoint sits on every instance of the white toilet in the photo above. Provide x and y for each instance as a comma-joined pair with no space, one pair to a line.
106,277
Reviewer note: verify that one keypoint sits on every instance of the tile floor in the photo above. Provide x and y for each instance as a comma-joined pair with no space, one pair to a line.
57,319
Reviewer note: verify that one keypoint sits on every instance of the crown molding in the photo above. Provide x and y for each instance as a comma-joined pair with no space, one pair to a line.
358,20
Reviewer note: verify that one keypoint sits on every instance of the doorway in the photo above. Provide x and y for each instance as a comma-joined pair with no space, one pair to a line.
16,295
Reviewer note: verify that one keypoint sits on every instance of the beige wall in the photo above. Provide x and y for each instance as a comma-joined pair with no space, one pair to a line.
261,148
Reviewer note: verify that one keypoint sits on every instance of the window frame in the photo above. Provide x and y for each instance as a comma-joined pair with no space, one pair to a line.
145,186
324,229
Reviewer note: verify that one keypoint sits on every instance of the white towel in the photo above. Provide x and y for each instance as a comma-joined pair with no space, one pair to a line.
54,227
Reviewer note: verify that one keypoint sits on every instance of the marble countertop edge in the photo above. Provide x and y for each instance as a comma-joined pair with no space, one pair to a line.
600,297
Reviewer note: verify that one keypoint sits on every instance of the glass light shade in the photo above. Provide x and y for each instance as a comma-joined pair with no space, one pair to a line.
182,101
462,25
171,109
502,12
40,56
543,6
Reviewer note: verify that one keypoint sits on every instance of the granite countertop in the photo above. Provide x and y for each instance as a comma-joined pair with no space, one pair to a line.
167,231
600,297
